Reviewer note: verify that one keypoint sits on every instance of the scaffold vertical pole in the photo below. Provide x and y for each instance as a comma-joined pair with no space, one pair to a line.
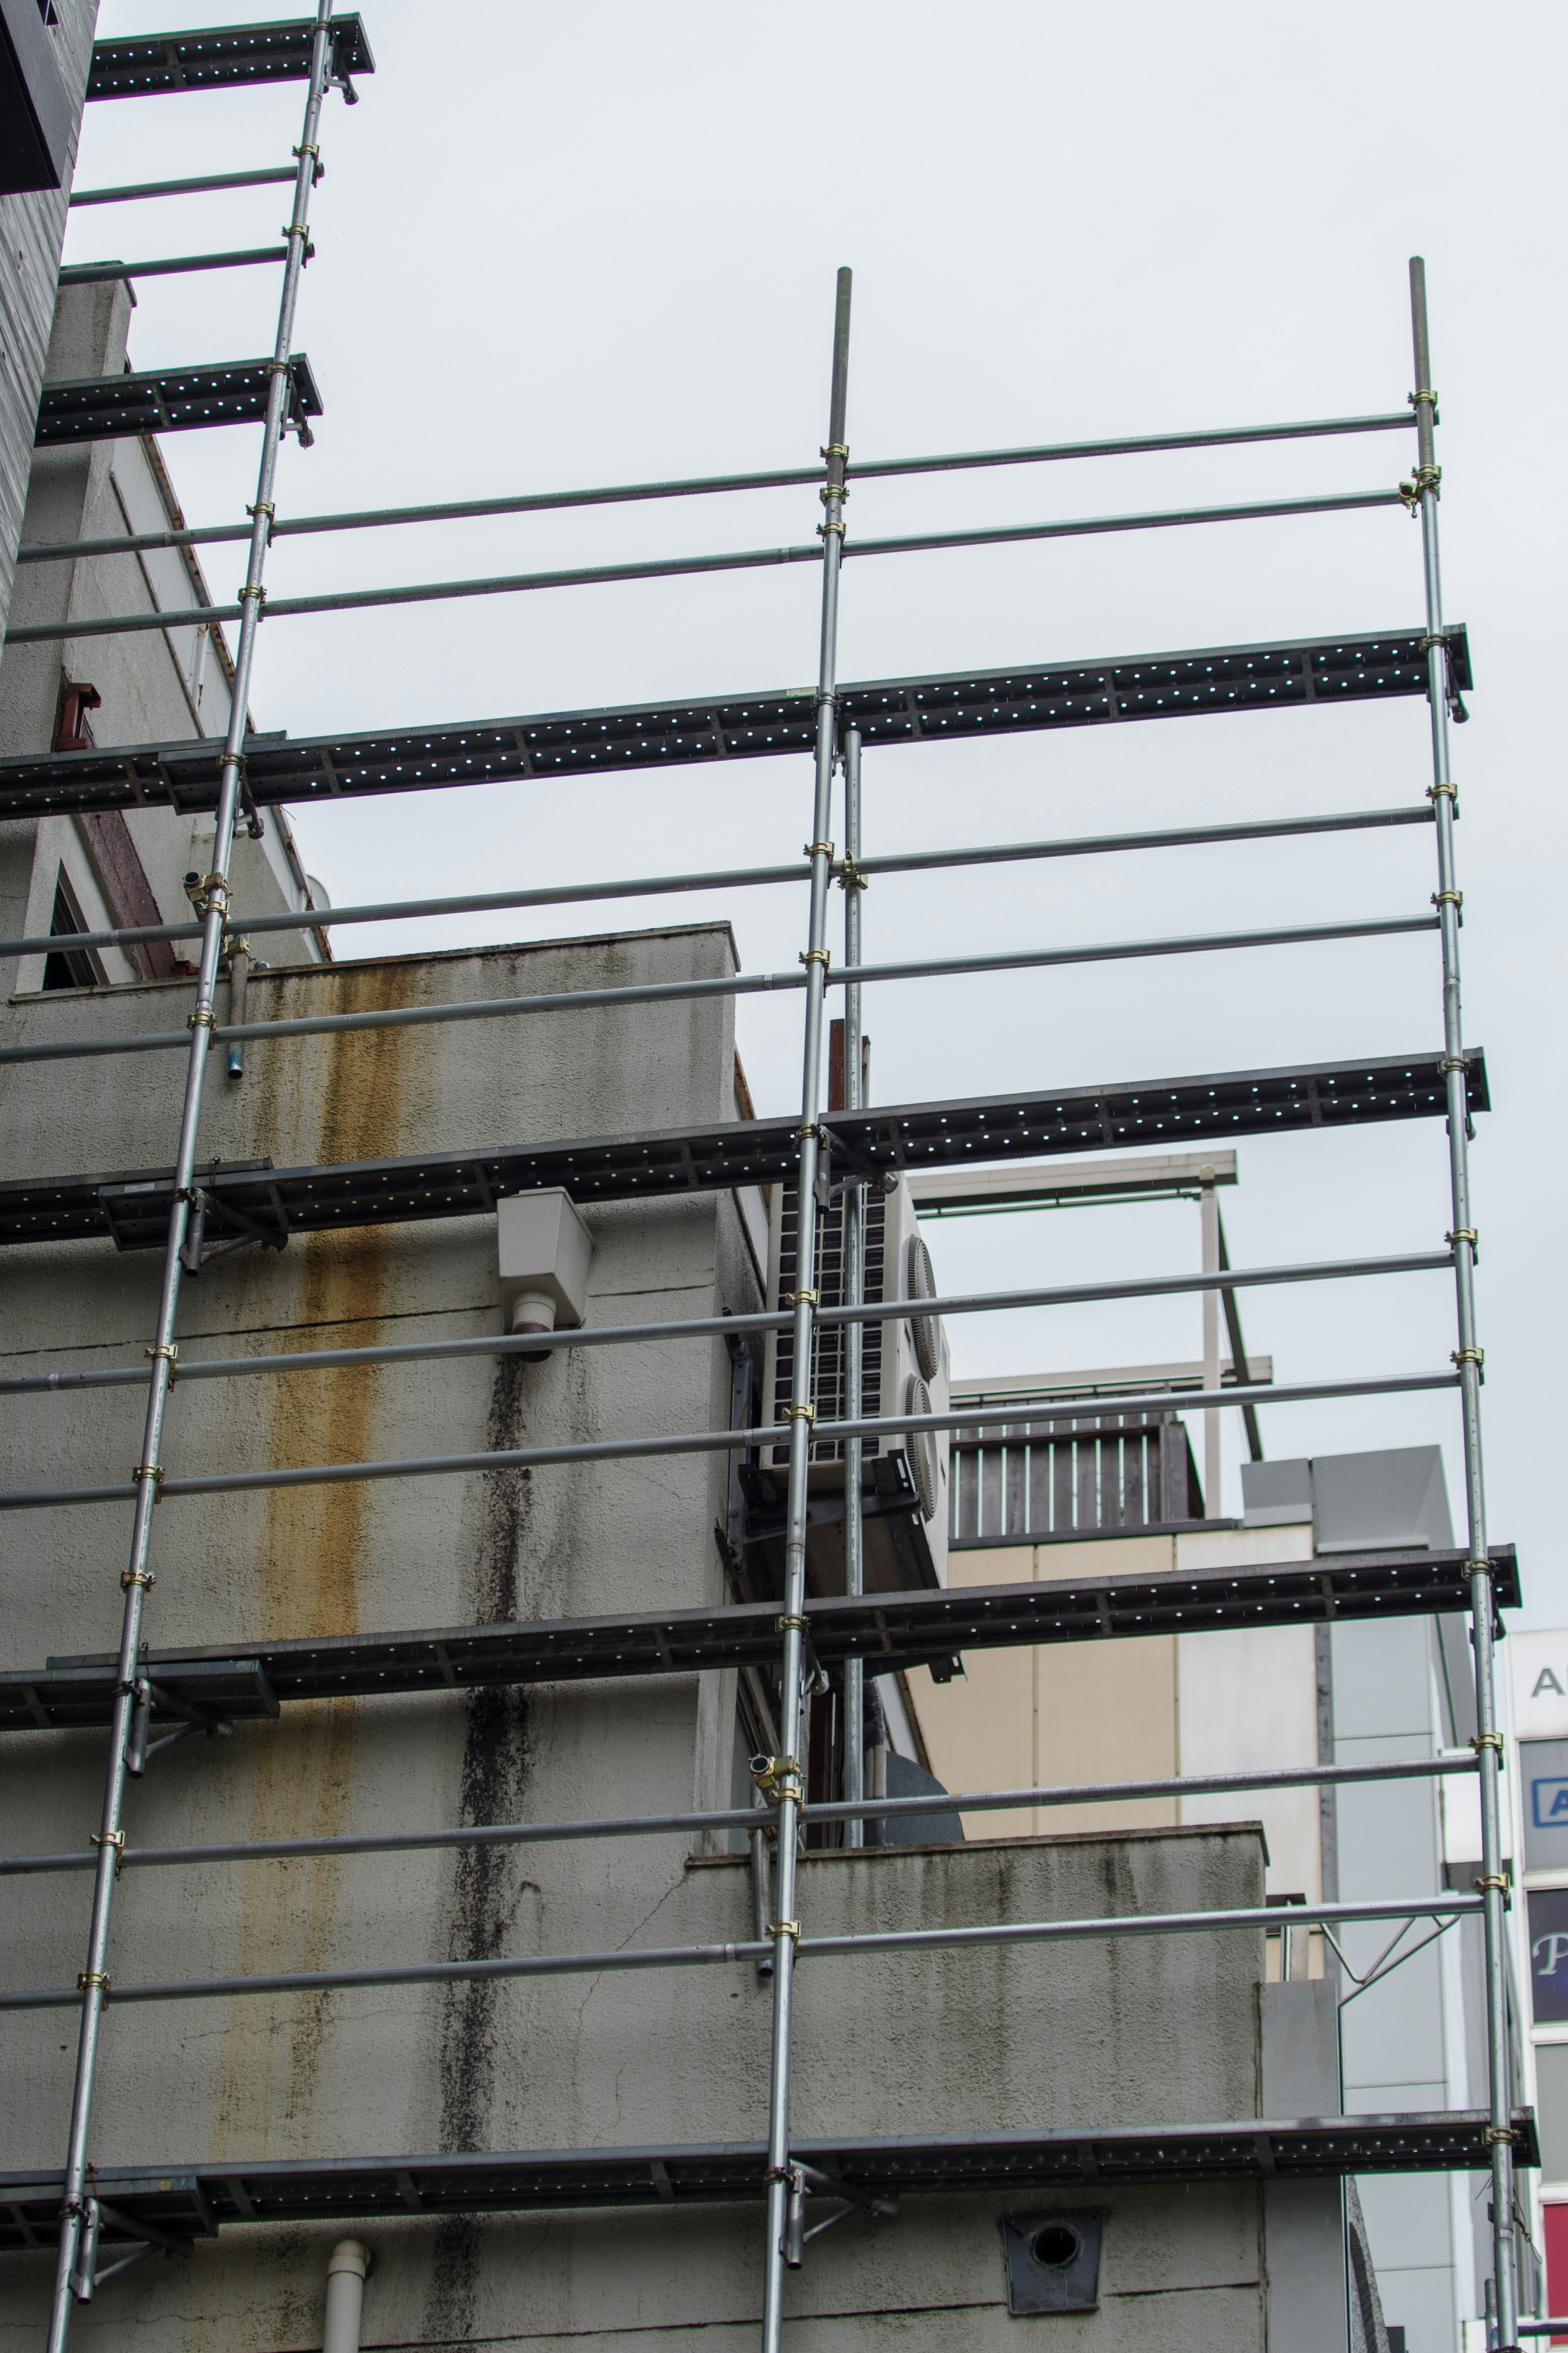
78,2220
1468,1355
785,1776
854,1293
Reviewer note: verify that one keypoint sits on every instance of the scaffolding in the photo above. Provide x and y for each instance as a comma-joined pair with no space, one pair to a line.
146,1699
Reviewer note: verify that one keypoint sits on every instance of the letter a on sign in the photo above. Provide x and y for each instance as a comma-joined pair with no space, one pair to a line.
1547,1681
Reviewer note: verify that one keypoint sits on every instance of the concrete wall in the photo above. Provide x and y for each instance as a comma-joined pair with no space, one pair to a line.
1003,2039
1413,2042
154,689
31,230
1158,2030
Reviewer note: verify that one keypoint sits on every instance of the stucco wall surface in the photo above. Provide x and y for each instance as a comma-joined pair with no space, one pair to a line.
1180,2273
998,2037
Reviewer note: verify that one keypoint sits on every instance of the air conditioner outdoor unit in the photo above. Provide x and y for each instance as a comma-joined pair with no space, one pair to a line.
906,1498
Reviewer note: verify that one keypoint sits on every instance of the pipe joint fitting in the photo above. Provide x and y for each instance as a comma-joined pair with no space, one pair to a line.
348,2267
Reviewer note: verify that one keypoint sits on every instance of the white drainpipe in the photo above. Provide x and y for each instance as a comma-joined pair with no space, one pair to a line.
346,2268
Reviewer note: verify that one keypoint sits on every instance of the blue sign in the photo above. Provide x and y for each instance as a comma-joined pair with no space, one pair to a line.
1543,1773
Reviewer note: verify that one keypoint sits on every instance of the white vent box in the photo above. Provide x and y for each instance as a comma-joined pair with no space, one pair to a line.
545,1250
906,1496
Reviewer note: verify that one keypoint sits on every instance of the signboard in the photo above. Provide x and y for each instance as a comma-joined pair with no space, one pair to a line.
1549,1955
1539,1666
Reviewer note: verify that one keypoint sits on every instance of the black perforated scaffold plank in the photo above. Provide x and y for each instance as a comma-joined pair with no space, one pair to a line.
133,1207
196,2201
891,1630
226,57
164,400
1284,676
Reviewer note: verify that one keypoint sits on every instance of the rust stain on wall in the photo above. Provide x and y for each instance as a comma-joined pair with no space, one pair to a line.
306,1576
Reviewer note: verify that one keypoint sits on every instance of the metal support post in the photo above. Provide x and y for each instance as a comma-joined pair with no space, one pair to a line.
788,1790
76,2210
1210,1216
854,1295
1468,1356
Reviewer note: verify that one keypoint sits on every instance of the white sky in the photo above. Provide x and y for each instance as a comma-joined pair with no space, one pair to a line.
562,247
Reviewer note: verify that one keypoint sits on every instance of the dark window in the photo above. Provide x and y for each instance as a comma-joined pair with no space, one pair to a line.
69,968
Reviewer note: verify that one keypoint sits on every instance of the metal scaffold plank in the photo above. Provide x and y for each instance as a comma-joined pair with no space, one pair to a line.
165,400
893,1631
197,2201
1284,675
133,1206
227,56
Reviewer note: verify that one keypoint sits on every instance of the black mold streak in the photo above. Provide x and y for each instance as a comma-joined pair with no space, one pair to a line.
484,1892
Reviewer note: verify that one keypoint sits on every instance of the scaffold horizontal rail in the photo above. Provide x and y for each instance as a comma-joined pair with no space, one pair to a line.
746,984
1283,674
903,1809
136,192
895,862
170,400
713,1327
893,1631
148,65
1240,1919
103,273
734,1440
131,1206
196,2201
690,487
676,567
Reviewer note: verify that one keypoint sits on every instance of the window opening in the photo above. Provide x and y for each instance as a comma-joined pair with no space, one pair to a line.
69,968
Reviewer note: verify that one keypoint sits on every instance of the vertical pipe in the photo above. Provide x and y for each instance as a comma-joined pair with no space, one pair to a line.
854,1294
788,1782
109,1838
348,2266
1210,1216
762,1895
238,983
1468,1356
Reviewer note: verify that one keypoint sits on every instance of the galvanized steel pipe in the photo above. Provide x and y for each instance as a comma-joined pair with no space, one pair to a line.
854,1293
678,1957
1468,1356
149,1473
783,1785
671,992
736,877
697,486
676,567
716,1327
719,1441
967,1801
